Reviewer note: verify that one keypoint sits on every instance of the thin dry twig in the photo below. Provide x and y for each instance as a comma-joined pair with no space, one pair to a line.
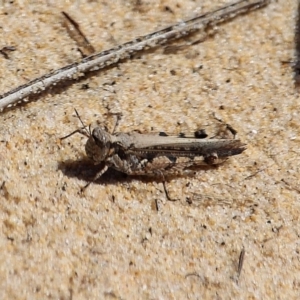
114,55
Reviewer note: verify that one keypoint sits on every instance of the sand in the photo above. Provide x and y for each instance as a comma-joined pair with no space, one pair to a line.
111,242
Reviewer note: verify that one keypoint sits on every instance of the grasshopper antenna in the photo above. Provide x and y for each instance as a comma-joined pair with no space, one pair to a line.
84,126
82,130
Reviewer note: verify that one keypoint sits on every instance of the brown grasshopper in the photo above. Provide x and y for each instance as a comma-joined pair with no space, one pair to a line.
160,154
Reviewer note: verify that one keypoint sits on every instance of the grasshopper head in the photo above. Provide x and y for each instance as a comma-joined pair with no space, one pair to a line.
98,145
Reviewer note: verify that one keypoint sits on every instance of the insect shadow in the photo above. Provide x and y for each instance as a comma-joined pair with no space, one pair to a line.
85,169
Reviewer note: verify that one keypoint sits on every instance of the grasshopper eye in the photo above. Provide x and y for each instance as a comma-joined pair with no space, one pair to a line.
101,138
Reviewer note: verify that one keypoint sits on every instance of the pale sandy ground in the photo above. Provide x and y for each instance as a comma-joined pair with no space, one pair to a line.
111,243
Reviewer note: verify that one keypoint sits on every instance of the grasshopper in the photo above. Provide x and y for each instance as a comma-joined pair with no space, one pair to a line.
159,154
